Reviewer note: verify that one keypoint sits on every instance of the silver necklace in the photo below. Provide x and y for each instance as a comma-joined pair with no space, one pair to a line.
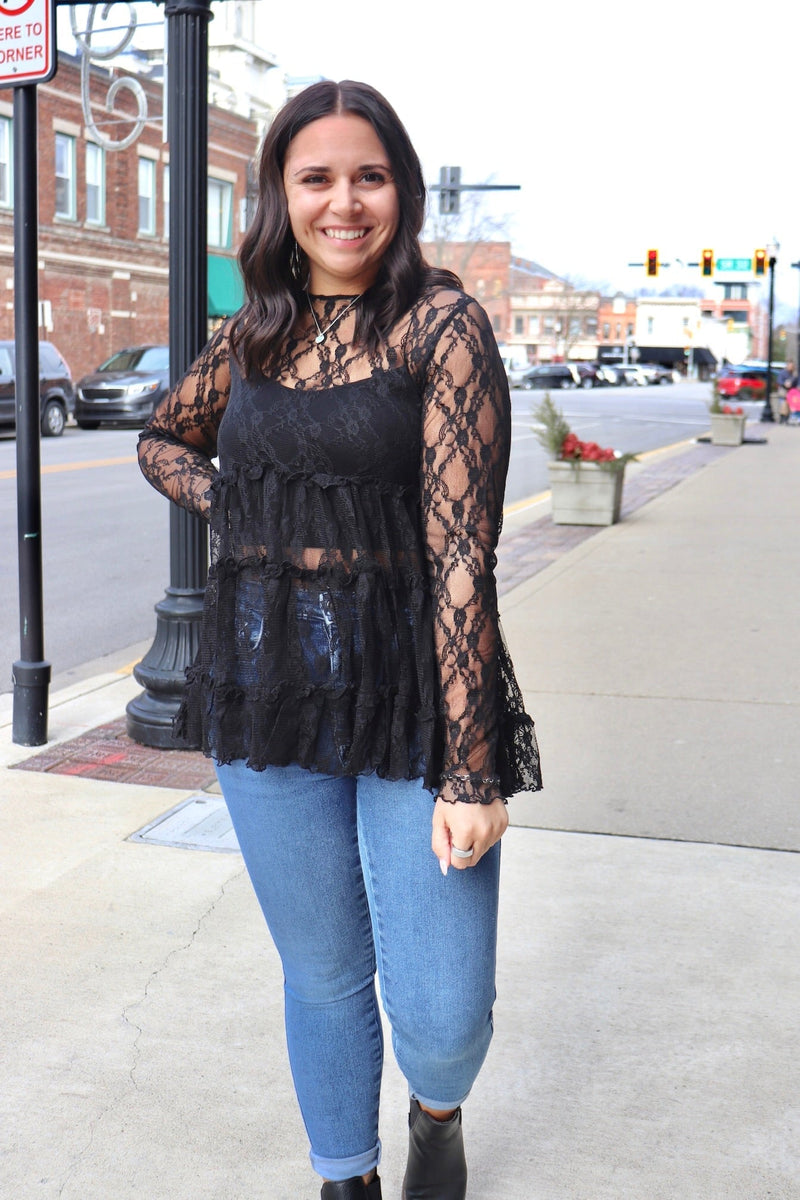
323,333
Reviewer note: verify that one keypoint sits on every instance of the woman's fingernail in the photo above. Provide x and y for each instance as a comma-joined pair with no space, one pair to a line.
443,864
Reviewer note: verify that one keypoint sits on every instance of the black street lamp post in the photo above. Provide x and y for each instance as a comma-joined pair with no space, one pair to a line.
161,671
767,414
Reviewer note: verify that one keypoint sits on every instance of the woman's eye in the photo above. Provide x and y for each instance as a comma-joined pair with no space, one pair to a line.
314,179
373,177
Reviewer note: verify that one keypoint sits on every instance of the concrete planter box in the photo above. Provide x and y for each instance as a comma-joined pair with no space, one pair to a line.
727,429
585,493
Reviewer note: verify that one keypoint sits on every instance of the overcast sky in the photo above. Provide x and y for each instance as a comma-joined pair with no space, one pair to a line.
628,125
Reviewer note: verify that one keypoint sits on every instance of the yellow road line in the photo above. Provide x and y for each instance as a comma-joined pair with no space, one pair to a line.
57,468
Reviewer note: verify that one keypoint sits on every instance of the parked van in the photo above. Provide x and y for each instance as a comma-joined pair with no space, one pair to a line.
56,392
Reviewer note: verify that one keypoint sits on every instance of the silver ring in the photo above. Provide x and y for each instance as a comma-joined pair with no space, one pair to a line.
463,853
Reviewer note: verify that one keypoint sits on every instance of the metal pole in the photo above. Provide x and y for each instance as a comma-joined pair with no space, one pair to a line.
161,671
767,413
31,673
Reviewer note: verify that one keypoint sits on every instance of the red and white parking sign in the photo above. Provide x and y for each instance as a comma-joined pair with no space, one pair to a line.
27,41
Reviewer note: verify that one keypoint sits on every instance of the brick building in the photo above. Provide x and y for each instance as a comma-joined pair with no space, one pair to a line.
104,216
484,268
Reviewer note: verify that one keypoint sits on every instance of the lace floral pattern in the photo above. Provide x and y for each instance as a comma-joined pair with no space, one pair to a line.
355,515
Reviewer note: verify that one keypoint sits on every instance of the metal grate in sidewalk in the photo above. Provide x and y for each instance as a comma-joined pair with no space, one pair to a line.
199,823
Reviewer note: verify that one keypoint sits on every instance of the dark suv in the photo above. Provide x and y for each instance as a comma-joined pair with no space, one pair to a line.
56,393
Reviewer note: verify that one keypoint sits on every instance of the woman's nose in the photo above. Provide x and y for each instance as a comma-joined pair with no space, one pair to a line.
344,198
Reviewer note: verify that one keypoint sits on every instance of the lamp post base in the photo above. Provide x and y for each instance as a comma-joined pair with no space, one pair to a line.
150,716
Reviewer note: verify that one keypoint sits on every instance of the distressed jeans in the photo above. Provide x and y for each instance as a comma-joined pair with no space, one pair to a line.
347,881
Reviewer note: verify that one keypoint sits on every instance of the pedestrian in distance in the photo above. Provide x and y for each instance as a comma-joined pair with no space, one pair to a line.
787,382
352,684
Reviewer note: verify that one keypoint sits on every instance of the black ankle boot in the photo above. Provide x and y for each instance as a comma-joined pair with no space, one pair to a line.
437,1168
352,1189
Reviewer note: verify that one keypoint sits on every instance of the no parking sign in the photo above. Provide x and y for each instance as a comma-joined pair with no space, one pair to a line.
27,41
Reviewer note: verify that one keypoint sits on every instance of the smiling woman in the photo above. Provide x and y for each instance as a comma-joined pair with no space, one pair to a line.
352,683
342,201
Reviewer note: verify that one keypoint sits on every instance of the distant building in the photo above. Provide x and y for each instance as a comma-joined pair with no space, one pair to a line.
104,219
616,327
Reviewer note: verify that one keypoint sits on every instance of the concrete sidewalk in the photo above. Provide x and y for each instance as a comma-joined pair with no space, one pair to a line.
647,1028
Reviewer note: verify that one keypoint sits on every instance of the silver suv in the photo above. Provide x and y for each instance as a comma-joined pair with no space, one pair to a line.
56,392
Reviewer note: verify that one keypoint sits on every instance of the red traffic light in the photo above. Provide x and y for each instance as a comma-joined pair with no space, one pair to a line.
652,262
760,262
707,263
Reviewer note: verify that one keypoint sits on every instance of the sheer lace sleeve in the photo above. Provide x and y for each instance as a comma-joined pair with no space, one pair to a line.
466,443
179,441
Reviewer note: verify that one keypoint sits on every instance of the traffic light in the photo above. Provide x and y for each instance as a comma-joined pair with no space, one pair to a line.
652,262
760,262
707,264
449,189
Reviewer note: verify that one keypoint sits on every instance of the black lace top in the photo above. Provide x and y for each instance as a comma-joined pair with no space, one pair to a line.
350,620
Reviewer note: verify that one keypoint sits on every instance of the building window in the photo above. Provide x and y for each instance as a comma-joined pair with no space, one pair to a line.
591,327
95,185
147,195
735,291
166,202
630,331
533,326
497,323
519,326
649,324
220,210
65,176
606,330
619,331
6,164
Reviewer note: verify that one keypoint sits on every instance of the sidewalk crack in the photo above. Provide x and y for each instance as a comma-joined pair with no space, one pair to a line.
139,1030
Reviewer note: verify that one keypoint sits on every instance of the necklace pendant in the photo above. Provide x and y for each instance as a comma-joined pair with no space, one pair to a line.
319,339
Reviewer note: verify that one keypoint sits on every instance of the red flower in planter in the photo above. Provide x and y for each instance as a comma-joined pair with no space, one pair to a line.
572,448
732,412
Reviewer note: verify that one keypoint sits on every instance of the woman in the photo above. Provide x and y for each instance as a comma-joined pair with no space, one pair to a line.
352,684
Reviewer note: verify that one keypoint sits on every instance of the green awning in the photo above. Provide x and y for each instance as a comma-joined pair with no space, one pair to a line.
225,287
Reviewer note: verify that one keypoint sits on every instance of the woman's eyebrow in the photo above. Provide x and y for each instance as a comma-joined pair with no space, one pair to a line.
322,167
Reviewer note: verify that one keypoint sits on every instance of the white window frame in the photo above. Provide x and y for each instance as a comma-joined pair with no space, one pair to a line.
95,183
65,177
6,163
146,189
165,198
220,213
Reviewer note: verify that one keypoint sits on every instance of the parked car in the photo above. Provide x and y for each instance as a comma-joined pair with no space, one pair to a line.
56,390
596,375
656,373
125,389
746,381
631,374
550,375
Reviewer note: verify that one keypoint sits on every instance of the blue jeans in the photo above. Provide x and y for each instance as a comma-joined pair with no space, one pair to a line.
347,881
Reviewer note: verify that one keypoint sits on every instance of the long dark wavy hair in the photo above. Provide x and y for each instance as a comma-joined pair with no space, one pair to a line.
275,278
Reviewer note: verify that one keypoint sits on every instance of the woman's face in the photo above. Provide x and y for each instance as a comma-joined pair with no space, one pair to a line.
342,200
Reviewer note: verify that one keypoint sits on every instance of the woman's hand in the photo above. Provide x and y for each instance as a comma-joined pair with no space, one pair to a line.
465,826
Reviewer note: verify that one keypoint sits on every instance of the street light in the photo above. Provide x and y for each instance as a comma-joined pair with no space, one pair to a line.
772,253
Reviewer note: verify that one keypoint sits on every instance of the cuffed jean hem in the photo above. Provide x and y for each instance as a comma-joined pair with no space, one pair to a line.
337,1169
437,1105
